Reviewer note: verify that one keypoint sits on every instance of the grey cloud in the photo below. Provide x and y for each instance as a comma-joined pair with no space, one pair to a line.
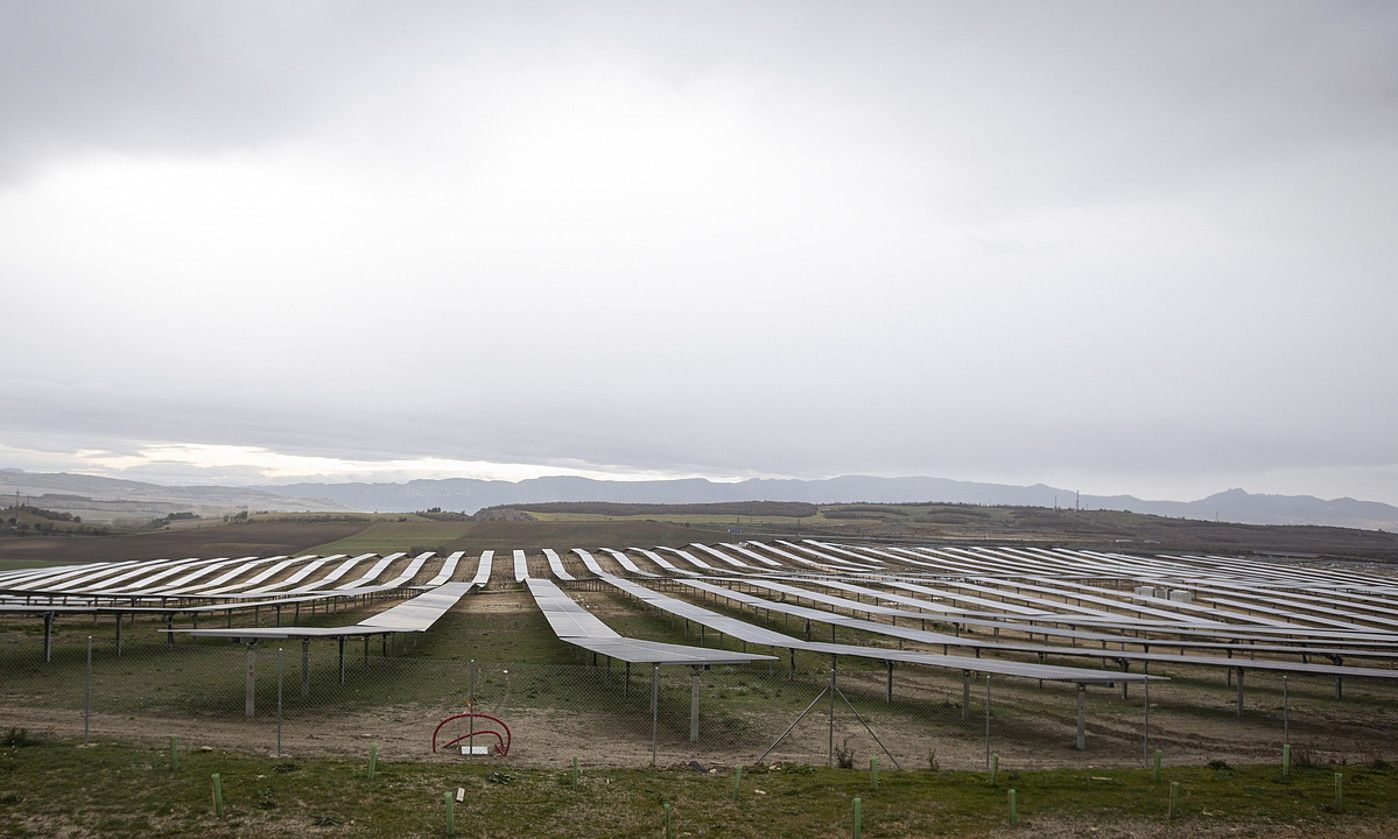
725,239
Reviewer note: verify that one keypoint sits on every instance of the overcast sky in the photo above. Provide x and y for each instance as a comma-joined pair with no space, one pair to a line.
1121,247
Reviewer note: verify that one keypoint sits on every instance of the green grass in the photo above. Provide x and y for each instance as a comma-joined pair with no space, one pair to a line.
55,786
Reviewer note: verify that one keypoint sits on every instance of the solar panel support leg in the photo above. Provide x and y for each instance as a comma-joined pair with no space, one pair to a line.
341,639
1339,686
48,637
169,625
118,633
305,666
1125,666
627,689
888,696
1240,691
694,706
1081,743
250,684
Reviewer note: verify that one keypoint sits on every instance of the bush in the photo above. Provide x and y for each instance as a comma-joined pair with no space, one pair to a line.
18,738
844,755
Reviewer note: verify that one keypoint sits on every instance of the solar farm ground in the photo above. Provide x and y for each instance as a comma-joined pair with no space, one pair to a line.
50,788
560,702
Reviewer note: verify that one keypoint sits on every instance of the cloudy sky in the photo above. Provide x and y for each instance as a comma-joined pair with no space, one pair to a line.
1122,247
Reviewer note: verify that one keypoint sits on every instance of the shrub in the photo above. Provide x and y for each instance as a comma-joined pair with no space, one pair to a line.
844,755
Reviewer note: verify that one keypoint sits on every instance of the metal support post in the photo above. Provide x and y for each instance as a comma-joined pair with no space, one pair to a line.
250,683
279,701
471,697
341,639
1240,691
1286,713
305,667
987,721
1145,722
694,706
965,695
1081,743
654,708
830,721
888,692
87,694
48,637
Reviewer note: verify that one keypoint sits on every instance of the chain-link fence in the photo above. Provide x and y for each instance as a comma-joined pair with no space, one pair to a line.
333,697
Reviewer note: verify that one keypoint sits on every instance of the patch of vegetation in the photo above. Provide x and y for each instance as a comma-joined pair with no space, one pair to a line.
114,789
786,509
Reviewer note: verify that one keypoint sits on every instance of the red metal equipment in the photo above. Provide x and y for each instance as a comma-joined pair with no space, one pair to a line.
502,741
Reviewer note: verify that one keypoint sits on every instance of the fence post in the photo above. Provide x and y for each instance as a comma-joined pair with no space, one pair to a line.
1155,771
694,706
279,701
471,699
1286,712
830,722
1145,721
250,686
987,721
87,695
1286,762
994,768
654,709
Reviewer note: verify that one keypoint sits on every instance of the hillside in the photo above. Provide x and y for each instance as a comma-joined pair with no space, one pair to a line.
471,495
101,500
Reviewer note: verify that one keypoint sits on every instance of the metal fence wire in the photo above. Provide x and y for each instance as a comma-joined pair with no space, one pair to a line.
290,698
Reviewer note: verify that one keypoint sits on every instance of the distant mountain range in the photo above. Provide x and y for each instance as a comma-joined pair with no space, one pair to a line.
470,495
113,500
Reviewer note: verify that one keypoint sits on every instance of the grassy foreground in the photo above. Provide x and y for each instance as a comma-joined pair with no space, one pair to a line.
55,787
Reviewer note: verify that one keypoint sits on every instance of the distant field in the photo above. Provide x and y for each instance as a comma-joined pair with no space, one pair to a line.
559,528
1100,529
212,539
528,535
